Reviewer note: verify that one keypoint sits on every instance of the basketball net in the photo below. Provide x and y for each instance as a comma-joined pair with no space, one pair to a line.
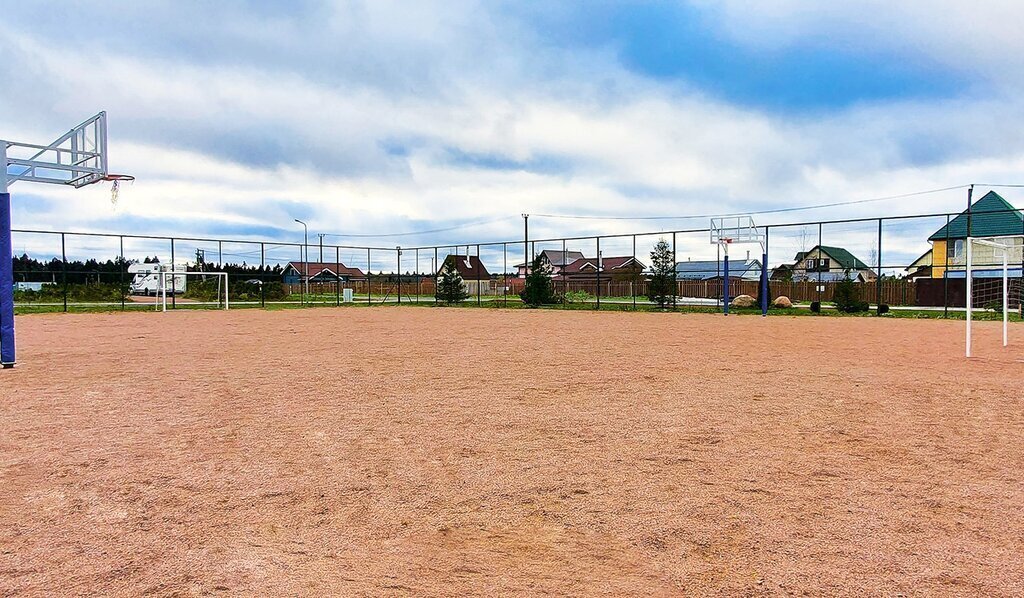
115,188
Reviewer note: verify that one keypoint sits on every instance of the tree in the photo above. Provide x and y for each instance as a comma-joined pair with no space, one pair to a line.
663,273
450,289
538,289
846,296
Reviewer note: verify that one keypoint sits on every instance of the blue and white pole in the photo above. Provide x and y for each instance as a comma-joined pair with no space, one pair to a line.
6,268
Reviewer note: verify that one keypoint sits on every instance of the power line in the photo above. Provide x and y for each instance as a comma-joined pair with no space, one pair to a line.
421,232
771,211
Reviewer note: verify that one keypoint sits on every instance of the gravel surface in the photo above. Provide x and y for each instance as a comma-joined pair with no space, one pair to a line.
430,451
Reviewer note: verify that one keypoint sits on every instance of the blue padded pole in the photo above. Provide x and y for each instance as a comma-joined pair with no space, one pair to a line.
764,283
725,281
6,284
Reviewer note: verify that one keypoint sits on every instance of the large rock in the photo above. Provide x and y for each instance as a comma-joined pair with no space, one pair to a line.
782,301
743,301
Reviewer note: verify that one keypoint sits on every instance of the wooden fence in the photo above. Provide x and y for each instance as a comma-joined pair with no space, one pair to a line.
902,292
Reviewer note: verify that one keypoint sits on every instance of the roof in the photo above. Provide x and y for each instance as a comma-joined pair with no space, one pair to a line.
844,258
555,257
469,267
332,268
827,276
1001,222
589,264
708,269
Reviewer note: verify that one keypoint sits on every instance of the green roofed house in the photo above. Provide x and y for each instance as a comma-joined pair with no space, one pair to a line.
991,216
829,264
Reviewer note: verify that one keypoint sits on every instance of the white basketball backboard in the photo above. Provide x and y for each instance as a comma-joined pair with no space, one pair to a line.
76,158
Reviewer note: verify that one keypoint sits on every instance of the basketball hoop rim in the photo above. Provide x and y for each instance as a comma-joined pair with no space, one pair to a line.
118,177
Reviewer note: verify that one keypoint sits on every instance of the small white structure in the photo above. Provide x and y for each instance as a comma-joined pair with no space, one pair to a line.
146,279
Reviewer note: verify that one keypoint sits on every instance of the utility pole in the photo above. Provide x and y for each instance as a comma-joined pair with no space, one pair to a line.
526,242
321,235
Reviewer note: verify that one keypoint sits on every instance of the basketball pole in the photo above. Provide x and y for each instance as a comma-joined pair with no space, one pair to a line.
7,353
725,278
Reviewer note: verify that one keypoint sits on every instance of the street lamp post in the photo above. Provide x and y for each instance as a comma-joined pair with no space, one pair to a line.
305,259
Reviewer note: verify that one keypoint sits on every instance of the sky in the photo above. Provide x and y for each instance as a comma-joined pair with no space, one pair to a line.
383,117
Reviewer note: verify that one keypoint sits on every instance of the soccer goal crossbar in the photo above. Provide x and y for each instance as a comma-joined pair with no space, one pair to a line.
222,284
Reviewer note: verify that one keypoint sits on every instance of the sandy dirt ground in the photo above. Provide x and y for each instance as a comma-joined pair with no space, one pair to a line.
427,451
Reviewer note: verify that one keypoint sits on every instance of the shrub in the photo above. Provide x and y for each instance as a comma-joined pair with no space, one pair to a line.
996,306
816,306
538,289
578,297
847,296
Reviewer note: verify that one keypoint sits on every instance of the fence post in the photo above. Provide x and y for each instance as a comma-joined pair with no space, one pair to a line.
561,269
479,266
504,273
174,287
764,275
818,267
369,291
878,278
675,279
263,275
399,264
64,271
632,285
945,273
121,267
598,239
416,271
437,269
337,276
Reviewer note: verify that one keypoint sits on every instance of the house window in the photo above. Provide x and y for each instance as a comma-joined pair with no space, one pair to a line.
955,249
809,264
823,263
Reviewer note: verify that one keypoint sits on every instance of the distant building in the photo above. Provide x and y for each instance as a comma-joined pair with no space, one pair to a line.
827,264
991,216
475,277
556,259
746,269
295,272
624,267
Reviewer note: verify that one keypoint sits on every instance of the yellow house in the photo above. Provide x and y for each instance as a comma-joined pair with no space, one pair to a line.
991,216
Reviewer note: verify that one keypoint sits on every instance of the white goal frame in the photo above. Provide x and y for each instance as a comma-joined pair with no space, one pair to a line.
162,287
1003,249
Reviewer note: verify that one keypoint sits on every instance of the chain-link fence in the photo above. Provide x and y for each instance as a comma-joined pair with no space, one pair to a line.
910,263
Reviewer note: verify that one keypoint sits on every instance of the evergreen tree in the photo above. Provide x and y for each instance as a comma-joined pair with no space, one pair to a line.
846,296
538,289
450,289
663,275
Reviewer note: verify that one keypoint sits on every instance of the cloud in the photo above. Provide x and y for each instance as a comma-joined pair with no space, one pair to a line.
379,117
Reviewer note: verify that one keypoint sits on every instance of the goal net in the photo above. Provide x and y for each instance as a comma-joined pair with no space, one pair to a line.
994,280
205,288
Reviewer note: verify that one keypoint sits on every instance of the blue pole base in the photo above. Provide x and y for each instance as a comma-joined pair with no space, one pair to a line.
725,285
6,284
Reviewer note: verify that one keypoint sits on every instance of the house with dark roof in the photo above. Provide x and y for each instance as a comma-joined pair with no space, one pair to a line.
475,277
747,269
623,268
990,216
556,259
827,264
295,272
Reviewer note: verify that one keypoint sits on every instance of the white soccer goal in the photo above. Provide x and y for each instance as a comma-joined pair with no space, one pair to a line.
222,285
993,278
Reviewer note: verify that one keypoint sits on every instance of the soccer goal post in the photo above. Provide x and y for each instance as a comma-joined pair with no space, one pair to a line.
990,283
168,277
